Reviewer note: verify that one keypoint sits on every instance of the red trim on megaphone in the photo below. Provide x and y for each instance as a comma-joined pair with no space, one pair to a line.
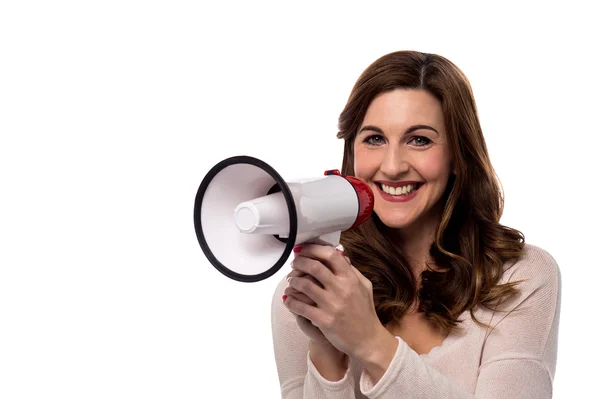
366,199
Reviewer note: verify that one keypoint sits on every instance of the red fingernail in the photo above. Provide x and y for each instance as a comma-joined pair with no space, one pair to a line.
298,248
283,298
340,251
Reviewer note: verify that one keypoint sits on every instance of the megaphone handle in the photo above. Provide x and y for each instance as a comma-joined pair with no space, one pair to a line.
332,239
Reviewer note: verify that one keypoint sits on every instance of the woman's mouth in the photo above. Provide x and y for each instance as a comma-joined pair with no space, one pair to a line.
398,194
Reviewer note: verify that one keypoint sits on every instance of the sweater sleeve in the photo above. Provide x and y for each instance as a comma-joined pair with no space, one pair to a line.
298,377
518,358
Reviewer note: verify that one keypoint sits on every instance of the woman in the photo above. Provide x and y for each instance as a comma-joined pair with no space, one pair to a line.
431,297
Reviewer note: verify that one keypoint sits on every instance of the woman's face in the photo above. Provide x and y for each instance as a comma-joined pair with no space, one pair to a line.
401,151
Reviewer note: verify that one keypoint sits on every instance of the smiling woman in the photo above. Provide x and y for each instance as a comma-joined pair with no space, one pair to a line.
434,297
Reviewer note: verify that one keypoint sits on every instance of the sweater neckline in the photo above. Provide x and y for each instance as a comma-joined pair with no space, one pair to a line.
451,338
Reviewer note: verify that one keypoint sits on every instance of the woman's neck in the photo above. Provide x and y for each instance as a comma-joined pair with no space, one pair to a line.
416,240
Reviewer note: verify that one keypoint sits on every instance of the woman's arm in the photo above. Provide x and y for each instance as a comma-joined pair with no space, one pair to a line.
300,375
328,361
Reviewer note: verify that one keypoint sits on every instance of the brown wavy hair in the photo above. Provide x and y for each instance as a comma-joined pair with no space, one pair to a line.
470,247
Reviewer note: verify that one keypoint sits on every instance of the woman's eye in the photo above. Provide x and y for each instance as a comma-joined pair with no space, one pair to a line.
374,140
420,141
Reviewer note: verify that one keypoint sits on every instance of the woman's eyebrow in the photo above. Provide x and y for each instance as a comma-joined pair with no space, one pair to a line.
408,131
418,127
373,128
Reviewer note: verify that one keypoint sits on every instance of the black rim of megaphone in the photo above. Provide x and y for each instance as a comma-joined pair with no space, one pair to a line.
291,239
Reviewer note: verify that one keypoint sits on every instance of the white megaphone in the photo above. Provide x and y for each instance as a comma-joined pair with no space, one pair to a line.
248,219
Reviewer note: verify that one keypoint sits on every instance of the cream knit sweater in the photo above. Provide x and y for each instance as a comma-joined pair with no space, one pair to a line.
515,359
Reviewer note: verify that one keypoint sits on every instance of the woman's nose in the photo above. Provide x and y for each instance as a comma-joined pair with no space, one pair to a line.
394,163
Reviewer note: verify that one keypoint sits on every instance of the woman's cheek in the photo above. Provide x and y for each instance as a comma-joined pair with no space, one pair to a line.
366,163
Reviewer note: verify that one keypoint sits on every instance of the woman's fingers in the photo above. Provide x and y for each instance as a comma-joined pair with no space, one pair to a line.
294,273
310,287
298,273
290,291
333,260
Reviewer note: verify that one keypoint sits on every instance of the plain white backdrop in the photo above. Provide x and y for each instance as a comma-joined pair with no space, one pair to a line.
112,112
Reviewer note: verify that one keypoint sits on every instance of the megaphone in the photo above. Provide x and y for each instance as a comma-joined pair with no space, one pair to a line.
248,219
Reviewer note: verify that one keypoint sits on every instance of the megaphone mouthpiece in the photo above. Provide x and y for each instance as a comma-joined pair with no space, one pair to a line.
264,215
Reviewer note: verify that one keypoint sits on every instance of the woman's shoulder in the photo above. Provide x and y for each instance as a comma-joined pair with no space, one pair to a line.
535,265
538,290
538,280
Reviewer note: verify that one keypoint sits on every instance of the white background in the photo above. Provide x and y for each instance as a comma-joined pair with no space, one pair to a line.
112,112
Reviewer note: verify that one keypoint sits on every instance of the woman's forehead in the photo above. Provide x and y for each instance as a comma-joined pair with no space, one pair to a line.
402,108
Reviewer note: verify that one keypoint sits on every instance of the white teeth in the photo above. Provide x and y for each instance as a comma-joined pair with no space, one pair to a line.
399,190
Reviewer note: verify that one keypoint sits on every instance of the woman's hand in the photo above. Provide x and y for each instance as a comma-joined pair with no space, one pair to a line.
336,298
308,328
329,361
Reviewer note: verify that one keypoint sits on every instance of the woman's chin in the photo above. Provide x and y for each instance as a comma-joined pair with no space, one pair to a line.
395,222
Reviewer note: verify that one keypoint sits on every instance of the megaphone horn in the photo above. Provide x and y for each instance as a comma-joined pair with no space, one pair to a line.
248,219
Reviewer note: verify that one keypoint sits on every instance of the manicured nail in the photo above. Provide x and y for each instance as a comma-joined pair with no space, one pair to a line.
283,298
340,251
288,279
298,248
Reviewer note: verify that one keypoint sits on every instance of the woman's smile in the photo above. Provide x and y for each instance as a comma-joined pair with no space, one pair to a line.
398,192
